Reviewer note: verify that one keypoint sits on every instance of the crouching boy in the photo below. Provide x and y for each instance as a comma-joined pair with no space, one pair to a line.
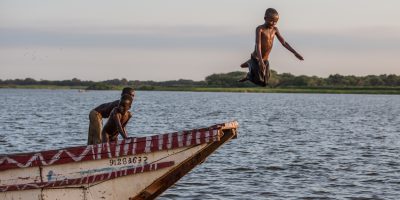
118,119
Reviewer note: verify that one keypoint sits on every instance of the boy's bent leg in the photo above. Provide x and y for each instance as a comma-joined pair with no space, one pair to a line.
94,135
105,137
247,64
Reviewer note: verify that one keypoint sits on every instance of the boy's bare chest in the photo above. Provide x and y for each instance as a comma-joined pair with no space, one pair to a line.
124,118
268,34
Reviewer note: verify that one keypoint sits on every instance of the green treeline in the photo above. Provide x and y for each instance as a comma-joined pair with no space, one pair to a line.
289,80
225,80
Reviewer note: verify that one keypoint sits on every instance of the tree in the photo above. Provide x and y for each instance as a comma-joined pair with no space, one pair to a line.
124,82
372,80
29,81
392,80
227,80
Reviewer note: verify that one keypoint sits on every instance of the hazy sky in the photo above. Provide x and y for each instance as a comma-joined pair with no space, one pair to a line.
173,39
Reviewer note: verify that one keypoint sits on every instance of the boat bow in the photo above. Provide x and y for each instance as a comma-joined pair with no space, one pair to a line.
135,168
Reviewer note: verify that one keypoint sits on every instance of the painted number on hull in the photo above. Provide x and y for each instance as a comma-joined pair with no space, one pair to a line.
128,161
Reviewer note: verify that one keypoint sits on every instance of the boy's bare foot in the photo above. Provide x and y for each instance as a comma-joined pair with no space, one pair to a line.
244,65
243,79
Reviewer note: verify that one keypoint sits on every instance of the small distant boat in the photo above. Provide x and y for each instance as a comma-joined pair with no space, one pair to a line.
81,90
135,168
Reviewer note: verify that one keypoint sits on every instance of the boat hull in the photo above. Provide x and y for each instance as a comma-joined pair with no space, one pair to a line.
137,168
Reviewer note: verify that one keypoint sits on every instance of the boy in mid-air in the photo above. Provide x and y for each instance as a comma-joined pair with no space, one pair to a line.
118,119
258,64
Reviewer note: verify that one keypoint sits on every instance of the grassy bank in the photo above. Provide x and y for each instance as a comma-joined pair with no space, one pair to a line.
322,90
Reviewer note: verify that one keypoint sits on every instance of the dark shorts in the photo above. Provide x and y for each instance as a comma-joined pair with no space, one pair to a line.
256,75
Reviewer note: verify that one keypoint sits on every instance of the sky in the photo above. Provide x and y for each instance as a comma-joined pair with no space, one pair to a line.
186,39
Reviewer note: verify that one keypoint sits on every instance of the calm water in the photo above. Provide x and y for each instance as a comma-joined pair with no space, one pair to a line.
290,146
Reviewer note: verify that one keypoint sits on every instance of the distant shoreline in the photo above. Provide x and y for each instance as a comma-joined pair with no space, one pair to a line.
228,82
320,90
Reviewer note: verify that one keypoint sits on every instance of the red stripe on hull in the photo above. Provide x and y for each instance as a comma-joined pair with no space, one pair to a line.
89,179
130,146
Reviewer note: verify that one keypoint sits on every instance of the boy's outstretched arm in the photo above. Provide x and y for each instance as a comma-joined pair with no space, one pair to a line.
286,45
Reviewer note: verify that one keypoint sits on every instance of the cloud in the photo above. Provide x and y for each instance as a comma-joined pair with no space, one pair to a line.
192,52
196,37
140,37
357,40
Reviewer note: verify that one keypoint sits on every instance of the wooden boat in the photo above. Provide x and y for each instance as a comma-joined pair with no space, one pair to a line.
135,168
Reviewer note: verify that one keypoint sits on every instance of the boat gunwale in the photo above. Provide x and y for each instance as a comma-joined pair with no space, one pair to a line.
113,149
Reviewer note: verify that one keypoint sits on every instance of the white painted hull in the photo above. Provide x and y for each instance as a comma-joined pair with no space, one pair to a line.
114,189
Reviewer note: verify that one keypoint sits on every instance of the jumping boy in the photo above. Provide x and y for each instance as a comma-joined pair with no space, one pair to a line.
119,117
258,65
103,111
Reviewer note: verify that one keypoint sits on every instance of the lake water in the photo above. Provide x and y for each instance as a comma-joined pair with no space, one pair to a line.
290,146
